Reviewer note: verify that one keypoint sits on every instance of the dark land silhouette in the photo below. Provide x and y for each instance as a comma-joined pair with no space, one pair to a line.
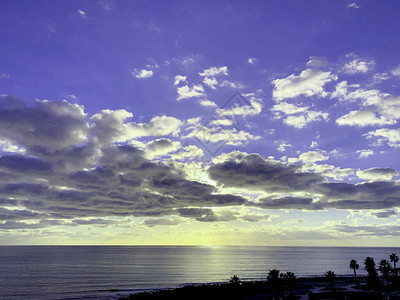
381,282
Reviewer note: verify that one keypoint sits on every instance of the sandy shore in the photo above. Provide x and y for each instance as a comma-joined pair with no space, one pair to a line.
305,288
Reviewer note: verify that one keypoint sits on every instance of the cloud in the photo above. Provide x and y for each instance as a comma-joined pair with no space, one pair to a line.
208,103
142,74
251,172
365,153
309,83
284,203
112,126
178,79
161,222
214,71
210,82
313,156
251,109
185,92
358,66
187,152
341,91
368,195
385,135
230,136
161,147
362,118
317,62
297,116
252,60
82,13
377,174
282,146
353,5
396,71
384,214
7,145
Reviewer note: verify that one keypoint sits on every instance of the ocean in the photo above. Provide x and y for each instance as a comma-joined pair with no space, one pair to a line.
106,272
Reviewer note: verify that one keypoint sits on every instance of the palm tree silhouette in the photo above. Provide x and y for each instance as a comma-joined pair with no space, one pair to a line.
290,280
394,259
330,277
235,280
372,274
275,282
354,265
385,268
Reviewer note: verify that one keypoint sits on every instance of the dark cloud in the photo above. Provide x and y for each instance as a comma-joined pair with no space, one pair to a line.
76,167
284,203
384,214
161,222
370,195
253,173
19,163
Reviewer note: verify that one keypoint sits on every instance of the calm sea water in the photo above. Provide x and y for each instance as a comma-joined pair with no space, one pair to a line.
84,272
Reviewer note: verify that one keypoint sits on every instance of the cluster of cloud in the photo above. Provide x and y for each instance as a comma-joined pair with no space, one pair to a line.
296,97
76,166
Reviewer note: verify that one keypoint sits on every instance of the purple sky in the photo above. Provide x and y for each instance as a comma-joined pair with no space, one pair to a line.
109,111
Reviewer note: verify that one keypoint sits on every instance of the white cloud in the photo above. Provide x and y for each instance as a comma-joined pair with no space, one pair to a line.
214,71
82,13
141,74
358,66
353,5
385,135
282,147
377,174
309,83
379,77
297,116
289,108
222,122
231,137
317,62
253,109
396,71
4,75
210,82
7,145
178,79
313,156
364,153
161,147
185,92
111,126
208,103
188,152
363,118
339,173
252,60
341,91
234,85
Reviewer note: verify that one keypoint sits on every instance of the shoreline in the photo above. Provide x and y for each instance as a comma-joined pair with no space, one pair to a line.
310,287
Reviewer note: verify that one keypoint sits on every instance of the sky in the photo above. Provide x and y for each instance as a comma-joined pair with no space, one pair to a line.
200,123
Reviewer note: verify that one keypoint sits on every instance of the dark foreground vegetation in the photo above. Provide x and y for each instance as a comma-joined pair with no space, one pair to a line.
287,286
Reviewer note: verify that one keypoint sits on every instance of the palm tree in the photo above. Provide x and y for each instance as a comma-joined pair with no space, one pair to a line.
371,269
354,265
330,277
275,282
394,259
290,280
235,280
385,268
